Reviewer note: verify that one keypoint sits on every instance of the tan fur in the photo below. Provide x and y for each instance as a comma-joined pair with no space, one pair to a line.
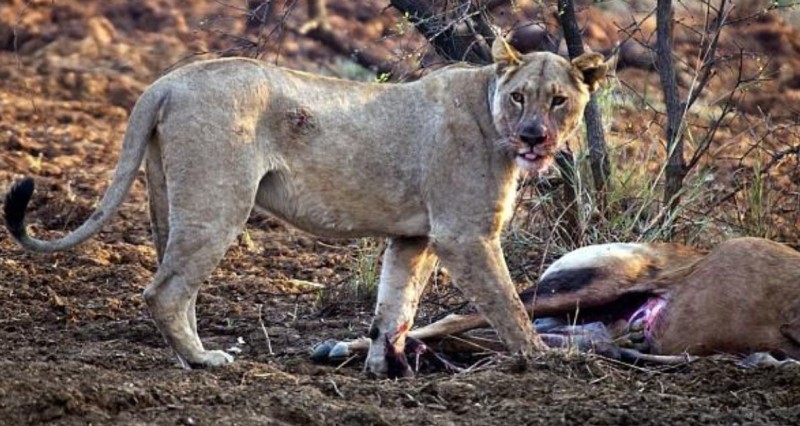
741,298
428,164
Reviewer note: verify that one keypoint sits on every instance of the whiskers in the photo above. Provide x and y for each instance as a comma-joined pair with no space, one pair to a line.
510,145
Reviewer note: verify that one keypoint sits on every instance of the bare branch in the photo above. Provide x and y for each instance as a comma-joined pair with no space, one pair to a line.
451,30
710,52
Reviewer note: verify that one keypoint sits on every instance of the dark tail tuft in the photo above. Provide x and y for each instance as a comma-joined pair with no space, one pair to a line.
14,207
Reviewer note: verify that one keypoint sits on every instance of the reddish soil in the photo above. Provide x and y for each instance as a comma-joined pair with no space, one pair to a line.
81,348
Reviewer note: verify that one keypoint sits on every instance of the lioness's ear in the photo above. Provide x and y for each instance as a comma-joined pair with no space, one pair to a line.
503,54
592,68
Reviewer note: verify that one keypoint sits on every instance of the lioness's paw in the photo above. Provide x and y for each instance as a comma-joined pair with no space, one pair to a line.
211,359
376,367
391,364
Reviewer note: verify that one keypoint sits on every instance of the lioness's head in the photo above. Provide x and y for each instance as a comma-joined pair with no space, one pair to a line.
538,101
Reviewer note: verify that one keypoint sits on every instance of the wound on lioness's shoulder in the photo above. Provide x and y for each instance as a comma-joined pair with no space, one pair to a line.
302,120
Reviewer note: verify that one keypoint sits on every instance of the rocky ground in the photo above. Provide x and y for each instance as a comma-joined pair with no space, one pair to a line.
80,347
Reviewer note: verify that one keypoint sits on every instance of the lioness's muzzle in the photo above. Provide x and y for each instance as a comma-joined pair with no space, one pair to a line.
535,132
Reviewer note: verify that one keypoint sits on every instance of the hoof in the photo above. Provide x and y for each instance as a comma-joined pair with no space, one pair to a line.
330,351
321,351
339,351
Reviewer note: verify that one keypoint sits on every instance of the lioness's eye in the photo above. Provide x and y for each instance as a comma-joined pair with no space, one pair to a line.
559,100
517,97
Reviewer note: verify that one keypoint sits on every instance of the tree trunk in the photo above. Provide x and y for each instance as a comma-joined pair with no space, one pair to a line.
676,165
598,153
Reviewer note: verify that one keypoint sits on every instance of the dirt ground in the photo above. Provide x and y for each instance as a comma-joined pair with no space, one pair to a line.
80,347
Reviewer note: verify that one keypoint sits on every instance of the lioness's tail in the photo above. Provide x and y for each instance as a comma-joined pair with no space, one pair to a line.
141,124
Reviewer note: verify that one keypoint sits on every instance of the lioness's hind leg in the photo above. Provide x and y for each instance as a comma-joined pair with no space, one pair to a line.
192,253
159,213
157,199
208,206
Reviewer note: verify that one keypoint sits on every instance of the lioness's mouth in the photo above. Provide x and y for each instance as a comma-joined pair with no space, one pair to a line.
529,156
534,160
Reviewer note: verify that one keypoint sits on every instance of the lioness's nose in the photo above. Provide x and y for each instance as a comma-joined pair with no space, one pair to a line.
534,133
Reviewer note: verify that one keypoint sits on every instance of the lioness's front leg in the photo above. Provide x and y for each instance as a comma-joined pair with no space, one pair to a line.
407,265
478,268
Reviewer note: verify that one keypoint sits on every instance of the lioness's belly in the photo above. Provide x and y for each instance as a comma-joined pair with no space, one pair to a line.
338,211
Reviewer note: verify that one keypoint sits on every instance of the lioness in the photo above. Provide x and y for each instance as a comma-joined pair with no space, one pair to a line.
431,165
